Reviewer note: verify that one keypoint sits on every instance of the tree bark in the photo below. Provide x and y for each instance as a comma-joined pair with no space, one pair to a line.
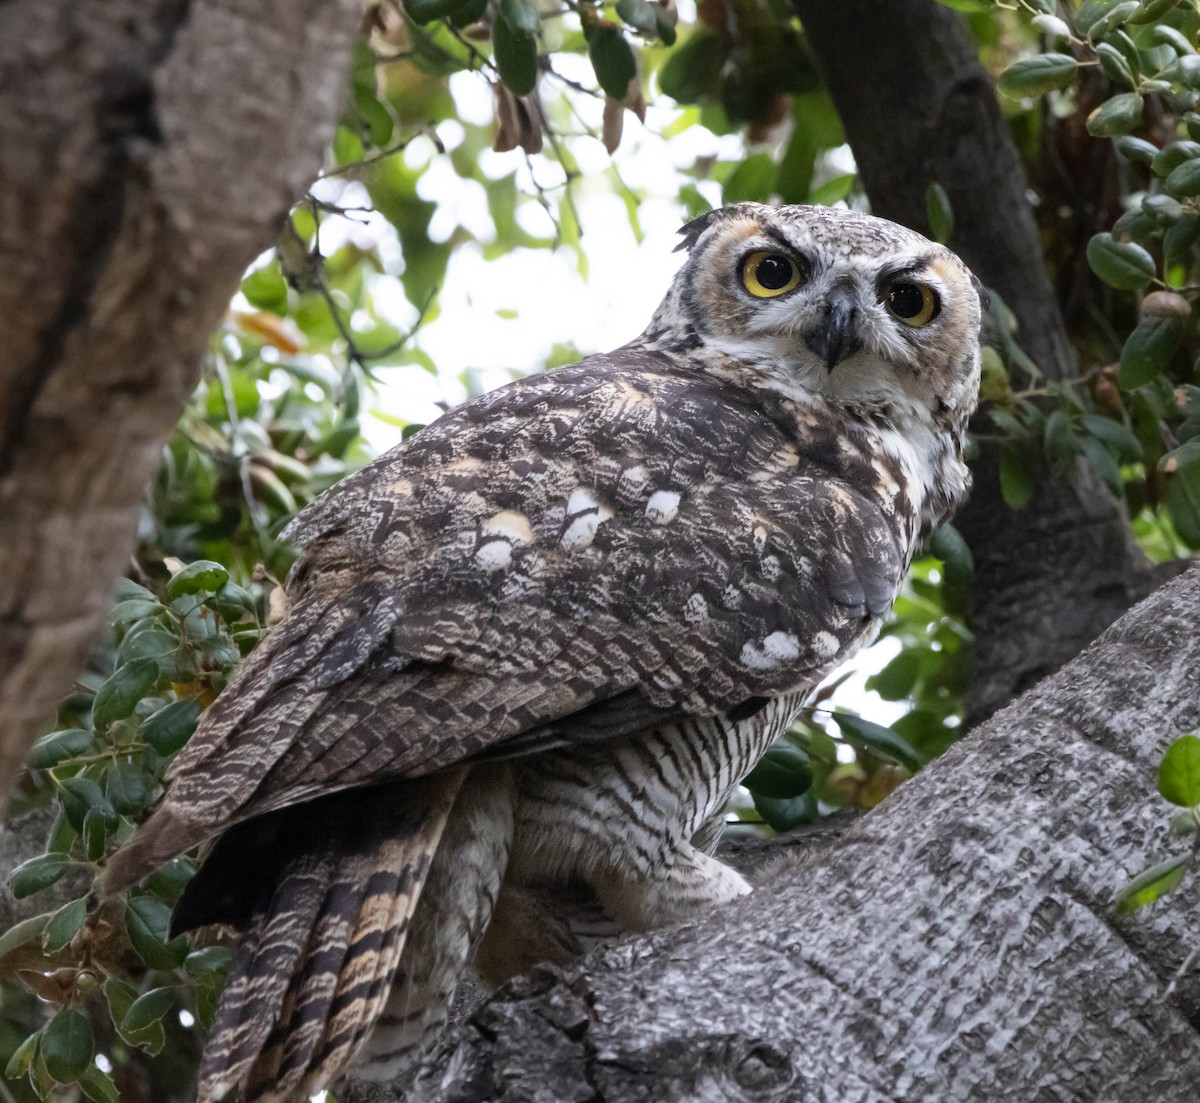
959,942
149,149
918,108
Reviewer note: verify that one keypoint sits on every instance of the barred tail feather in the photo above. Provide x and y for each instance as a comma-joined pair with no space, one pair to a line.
460,895
323,894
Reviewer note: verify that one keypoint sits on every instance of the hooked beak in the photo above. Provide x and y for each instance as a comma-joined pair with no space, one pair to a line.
836,337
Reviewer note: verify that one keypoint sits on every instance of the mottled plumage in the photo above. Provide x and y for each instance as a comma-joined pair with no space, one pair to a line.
529,652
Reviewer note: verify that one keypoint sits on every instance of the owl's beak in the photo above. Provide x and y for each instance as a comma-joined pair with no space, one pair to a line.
836,337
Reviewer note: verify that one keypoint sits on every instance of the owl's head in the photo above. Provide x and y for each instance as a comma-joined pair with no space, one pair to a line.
865,313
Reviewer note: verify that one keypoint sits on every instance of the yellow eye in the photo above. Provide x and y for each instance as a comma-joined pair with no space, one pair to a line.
766,275
912,303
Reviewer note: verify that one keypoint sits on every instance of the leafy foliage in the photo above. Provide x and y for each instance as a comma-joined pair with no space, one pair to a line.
1179,785
1128,72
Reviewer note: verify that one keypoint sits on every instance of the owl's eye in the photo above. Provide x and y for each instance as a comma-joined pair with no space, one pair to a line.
766,275
912,303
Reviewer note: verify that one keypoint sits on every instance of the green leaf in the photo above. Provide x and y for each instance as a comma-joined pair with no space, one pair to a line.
1152,883
1151,10
1116,435
347,150
875,737
125,786
1052,27
1113,62
693,71
265,287
1179,239
79,796
752,181
128,590
1148,350
1170,157
612,59
639,14
521,15
783,772
467,12
21,934
149,643
1016,480
426,11
135,609
98,1086
1102,460
234,603
516,58
1111,18
897,679
147,921
1058,438
1116,116
38,873
116,698
94,834
665,22
1162,208
1120,264
211,959
52,749
1032,76
67,1046
201,576
147,1009
1185,180
948,545
172,726
64,925
1136,149
939,213
169,880
1179,772
1183,501
1185,455
833,191
787,813
22,1058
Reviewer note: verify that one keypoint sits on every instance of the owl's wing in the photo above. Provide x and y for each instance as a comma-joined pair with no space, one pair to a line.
577,556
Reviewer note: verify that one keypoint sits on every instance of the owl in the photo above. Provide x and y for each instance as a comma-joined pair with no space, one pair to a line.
529,652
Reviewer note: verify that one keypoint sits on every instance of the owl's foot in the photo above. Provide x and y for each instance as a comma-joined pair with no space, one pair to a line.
687,888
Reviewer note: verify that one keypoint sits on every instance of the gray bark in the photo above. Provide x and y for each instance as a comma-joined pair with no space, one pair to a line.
918,108
149,149
959,942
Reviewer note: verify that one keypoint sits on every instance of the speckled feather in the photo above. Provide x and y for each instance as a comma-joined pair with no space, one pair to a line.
622,576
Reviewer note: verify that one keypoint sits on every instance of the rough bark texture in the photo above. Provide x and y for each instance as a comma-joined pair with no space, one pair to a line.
149,149
960,942
918,108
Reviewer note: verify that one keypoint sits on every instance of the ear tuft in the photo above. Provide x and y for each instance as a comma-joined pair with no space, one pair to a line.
691,231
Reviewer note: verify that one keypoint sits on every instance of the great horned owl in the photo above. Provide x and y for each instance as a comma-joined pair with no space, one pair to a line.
530,651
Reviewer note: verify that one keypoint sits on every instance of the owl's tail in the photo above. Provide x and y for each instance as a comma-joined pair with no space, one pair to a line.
335,900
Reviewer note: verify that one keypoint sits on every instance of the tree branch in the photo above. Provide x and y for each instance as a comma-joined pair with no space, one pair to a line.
148,151
1050,577
959,942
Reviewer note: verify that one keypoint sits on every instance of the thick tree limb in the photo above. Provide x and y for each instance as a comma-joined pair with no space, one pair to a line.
960,942
1050,577
148,151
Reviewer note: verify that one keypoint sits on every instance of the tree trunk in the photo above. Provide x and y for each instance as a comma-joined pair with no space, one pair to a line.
959,942
149,149
918,108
